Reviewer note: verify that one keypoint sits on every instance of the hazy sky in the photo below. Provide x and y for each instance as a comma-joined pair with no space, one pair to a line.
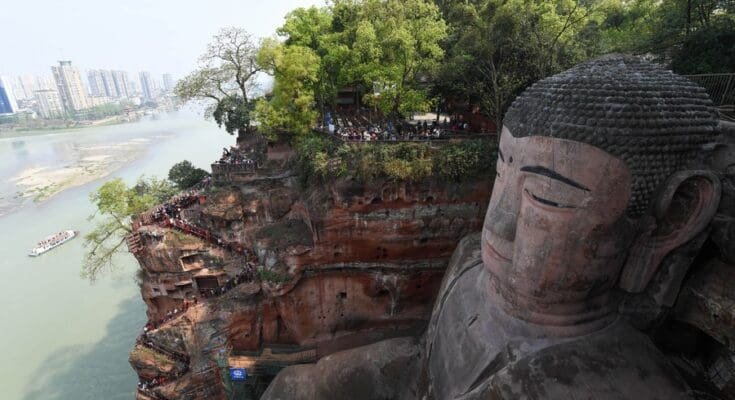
160,36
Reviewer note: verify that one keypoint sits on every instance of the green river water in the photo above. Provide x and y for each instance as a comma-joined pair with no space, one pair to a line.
60,336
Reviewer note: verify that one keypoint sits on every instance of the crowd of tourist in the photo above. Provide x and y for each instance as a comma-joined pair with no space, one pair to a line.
172,208
146,389
169,214
146,385
357,128
246,275
54,240
233,156
171,314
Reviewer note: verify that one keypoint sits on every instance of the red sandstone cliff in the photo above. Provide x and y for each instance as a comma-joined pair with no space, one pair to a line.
319,270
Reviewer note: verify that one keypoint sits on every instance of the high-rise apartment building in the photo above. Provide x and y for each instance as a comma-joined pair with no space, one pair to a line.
168,82
70,87
49,103
120,79
45,82
96,83
134,87
109,84
146,84
7,99
25,85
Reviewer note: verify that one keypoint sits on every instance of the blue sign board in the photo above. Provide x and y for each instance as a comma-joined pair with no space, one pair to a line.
238,374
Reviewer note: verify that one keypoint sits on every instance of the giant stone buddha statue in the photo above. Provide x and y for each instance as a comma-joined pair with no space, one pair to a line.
598,179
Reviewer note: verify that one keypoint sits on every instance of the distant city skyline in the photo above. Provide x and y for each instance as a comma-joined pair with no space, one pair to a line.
162,36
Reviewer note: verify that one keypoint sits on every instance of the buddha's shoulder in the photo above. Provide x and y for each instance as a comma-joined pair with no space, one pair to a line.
616,363
466,261
466,256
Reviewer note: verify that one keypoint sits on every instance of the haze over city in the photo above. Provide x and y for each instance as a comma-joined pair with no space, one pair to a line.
163,36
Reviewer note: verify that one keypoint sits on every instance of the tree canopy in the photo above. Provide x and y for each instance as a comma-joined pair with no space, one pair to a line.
496,48
405,56
389,49
226,76
290,106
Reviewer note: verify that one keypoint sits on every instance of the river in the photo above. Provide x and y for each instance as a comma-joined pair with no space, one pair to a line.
62,337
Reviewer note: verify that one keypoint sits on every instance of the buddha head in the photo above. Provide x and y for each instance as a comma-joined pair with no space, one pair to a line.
597,180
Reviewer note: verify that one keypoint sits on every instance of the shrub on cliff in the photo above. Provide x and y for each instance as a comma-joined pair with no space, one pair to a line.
321,159
467,159
185,175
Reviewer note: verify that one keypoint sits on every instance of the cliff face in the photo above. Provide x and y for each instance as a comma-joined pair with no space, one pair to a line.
260,273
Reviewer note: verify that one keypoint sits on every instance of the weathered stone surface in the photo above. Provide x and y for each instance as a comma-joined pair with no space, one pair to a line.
600,197
616,363
594,189
377,372
343,269
708,301
150,364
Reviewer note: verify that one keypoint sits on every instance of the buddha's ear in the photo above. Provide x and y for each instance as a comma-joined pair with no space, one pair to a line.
682,209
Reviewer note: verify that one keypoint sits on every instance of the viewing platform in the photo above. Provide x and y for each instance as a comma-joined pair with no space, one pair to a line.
445,136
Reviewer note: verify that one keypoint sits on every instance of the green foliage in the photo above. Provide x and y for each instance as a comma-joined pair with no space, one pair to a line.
496,48
185,175
291,106
396,46
321,159
467,159
693,36
234,112
406,55
710,49
116,203
312,156
103,111
390,47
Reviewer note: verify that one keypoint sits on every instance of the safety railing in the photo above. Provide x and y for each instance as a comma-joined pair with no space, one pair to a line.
720,87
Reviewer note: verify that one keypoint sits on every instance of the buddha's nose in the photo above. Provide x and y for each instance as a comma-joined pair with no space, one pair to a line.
502,213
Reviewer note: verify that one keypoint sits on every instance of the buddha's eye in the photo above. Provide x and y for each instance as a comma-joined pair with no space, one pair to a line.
546,201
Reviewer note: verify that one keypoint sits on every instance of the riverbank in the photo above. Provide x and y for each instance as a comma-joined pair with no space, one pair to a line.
90,163
63,338
57,126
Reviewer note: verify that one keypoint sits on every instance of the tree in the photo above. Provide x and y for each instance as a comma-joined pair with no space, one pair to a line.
396,51
321,30
185,175
226,77
290,107
692,36
390,47
710,49
117,203
496,48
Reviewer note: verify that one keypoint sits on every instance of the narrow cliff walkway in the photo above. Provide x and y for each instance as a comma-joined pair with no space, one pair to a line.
172,355
168,215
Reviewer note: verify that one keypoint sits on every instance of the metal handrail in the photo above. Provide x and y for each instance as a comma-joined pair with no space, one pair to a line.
720,87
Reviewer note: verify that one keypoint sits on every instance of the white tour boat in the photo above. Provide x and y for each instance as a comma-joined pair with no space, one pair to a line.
52,241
